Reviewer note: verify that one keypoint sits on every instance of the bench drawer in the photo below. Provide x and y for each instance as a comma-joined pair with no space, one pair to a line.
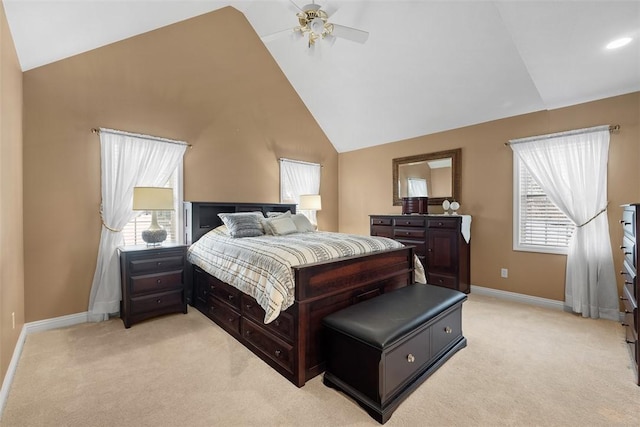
405,362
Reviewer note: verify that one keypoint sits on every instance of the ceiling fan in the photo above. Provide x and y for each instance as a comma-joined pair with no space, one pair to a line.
314,25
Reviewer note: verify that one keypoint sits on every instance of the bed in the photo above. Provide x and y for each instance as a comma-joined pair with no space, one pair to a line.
291,340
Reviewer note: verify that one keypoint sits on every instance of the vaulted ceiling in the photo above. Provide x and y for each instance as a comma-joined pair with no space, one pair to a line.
427,66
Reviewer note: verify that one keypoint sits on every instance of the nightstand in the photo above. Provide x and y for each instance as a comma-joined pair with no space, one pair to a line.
153,281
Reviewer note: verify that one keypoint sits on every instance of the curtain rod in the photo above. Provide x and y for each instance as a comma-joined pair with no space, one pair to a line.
139,135
612,128
282,159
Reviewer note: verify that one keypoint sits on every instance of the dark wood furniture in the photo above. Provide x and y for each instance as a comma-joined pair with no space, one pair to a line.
417,205
291,344
439,244
153,282
630,294
379,351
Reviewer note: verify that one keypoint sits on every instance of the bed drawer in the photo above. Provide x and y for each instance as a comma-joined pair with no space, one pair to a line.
268,345
223,315
223,292
446,331
283,325
156,282
405,362
157,302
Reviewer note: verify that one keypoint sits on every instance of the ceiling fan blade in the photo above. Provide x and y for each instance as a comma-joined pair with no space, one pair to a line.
349,33
273,36
298,8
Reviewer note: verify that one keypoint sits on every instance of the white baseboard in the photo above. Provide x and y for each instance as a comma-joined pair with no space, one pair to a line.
528,299
29,328
522,298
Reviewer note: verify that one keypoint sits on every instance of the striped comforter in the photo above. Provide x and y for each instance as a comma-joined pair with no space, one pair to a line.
261,266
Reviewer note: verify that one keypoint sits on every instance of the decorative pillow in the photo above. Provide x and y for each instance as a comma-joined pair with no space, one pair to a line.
277,214
303,225
243,224
281,225
221,230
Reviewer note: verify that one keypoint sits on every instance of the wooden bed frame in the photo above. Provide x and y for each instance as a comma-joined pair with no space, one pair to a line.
292,343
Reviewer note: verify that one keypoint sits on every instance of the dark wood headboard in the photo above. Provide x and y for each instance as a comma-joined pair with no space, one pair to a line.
202,217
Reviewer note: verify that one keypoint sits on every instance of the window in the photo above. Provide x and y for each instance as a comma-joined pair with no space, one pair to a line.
169,220
538,225
297,178
416,187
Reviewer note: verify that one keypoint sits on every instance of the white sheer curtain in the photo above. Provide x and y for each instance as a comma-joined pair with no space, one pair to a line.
417,187
297,178
127,161
571,168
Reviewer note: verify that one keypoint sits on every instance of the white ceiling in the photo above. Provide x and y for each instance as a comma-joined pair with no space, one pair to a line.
428,66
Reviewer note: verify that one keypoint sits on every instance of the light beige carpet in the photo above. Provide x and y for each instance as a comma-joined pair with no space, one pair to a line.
523,366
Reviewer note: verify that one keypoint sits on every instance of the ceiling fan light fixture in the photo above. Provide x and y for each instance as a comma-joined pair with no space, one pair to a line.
623,41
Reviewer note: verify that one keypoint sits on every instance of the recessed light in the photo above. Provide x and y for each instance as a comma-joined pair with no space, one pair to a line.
619,43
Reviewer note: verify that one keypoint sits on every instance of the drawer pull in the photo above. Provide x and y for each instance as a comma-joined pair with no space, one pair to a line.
626,282
624,223
158,264
158,281
249,306
230,319
447,330
624,324
628,253
159,301
247,333
623,247
622,298
230,297
630,342
277,353
411,358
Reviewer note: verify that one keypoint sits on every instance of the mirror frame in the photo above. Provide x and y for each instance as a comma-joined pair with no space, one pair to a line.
456,173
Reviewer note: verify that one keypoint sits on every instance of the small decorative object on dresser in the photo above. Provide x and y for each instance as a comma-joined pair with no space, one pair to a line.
454,207
415,205
153,199
441,243
445,206
630,293
153,282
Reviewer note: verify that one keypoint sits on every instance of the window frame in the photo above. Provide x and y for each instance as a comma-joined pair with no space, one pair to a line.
517,209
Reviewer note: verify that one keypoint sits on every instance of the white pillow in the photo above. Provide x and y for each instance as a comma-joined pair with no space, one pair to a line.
303,225
281,225
277,214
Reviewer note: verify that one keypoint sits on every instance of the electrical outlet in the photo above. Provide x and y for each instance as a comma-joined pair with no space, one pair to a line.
504,273
13,319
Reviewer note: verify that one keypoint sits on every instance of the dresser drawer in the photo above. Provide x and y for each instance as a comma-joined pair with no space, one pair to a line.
382,230
156,302
409,222
442,223
628,222
403,362
283,325
629,250
381,221
225,316
446,331
417,233
156,282
268,344
142,265
442,280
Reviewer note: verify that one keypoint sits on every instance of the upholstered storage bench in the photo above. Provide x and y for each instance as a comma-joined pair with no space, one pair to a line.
380,350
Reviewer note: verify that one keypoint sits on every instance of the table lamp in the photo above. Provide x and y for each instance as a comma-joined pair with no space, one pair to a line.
153,199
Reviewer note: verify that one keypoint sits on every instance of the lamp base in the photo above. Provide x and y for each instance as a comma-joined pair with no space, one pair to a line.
154,237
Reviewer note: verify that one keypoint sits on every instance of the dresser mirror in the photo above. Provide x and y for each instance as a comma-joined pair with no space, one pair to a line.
435,175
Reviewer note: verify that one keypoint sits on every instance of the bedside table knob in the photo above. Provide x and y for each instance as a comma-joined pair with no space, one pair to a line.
159,301
411,358
158,264
249,306
447,330
230,297
277,353
158,281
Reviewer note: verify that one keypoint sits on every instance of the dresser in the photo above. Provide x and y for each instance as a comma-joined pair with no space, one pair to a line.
153,282
631,227
439,242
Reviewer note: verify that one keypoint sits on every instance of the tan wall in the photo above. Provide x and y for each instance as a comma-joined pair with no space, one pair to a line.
487,191
11,247
207,80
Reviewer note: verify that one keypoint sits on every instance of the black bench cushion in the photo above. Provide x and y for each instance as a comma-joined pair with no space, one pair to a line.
384,319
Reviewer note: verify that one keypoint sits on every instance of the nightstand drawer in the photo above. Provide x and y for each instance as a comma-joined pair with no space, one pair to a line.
156,264
156,302
156,282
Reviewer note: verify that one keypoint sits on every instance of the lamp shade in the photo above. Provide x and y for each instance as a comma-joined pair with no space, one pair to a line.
312,202
152,199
